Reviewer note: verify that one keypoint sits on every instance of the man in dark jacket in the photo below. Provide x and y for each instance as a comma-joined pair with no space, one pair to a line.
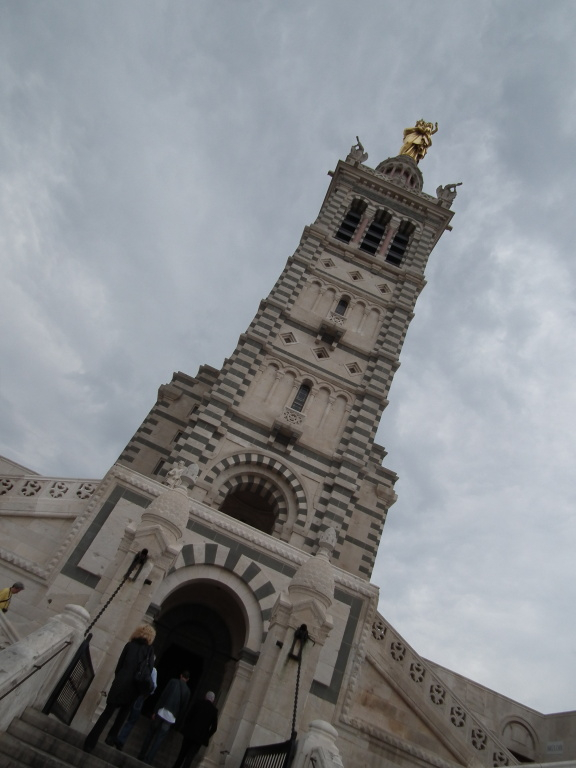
199,724
171,704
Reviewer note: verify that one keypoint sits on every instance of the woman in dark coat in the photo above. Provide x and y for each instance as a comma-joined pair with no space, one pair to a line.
124,689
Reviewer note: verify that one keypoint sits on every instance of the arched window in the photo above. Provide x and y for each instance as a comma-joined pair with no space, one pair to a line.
351,220
342,306
400,243
375,232
301,397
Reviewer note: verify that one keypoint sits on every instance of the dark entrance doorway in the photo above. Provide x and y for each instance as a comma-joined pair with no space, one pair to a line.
200,628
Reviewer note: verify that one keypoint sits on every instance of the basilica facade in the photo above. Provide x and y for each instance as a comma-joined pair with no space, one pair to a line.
260,496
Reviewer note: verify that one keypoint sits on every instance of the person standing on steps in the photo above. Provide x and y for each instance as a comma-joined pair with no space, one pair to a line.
124,689
132,718
170,706
200,722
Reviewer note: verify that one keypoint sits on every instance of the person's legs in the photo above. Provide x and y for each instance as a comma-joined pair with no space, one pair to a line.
188,752
184,747
148,738
154,739
118,723
129,724
99,725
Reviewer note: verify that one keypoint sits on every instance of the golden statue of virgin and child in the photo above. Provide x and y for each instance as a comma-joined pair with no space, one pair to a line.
418,140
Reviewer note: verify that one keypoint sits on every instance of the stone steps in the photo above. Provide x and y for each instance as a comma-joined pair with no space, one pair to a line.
35,740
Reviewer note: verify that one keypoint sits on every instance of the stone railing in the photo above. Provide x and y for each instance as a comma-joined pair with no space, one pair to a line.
335,319
30,668
46,487
292,417
433,698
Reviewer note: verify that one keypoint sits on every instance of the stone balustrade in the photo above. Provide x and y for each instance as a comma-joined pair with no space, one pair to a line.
292,417
46,487
335,319
30,668
432,696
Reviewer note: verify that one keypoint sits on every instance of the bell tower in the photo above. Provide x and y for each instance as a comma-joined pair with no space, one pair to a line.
283,434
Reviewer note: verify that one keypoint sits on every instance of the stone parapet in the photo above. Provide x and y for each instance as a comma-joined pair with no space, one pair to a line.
30,668
391,656
47,488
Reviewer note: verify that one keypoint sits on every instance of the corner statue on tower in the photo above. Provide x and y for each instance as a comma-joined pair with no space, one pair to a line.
418,140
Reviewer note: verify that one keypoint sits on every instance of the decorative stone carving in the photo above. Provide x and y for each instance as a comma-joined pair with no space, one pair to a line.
5,486
397,650
327,540
30,488
447,194
292,417
457,716
55,489
417,672
357,153
478,737
174,476
437,694
86,490
499,758
58,489
378,630
171,510
315,577
338,320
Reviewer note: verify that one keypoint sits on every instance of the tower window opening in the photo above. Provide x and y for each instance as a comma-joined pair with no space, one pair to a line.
400,243
341,307
252,505
321,353
301,397
375,232
351,220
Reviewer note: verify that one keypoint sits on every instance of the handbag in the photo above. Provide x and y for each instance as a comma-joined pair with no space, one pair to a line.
143,676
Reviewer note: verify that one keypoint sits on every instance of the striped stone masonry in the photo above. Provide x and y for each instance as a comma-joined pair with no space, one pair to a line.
233,423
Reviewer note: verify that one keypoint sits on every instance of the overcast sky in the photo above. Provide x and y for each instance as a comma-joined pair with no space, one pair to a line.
158,163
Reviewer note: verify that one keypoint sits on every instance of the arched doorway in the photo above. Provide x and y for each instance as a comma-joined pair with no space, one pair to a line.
256,501
201,628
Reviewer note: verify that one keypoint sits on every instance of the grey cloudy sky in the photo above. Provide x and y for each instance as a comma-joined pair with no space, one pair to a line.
158,163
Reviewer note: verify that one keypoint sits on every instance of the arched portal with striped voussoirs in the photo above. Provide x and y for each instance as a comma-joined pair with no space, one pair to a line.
258,490
255,500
